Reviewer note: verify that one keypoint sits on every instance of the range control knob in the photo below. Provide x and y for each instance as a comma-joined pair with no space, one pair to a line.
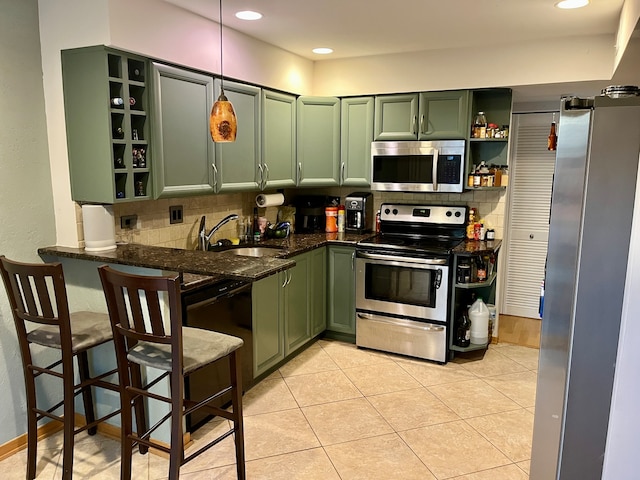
448,214
387,211
395,211
457,214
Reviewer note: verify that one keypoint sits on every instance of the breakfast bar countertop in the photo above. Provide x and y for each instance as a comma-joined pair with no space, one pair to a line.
212,262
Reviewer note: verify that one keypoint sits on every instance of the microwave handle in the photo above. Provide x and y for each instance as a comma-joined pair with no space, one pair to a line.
435,170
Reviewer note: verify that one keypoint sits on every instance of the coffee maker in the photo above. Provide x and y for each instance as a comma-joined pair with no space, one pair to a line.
310,216
359,212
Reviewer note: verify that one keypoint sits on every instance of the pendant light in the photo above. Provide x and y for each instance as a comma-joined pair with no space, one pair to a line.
222,122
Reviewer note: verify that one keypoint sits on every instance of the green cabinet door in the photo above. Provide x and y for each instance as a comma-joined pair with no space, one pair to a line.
296,301
278,166
356,125
182,145
106,111
444,115
341,297
268,327
318,132
237,162
318,291
396,117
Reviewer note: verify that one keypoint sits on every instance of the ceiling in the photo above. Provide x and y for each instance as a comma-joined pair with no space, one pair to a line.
355,28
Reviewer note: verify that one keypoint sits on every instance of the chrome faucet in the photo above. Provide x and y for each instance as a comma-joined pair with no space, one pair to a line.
204,238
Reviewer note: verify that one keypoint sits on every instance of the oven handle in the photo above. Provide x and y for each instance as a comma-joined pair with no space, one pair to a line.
390,261
430,327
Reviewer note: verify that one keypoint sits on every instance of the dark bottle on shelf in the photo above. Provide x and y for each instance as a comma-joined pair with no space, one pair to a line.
463,331
552,141
256,225
481,269
118,133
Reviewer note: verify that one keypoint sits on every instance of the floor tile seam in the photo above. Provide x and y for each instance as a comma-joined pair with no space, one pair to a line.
482,470
493,444
361,395
310,373
416,453
514,409
368,437
284,409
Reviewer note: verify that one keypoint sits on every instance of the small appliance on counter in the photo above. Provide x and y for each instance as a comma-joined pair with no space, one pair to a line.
310,214
359,212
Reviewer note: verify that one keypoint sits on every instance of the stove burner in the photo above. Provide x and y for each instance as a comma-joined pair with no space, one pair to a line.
441,245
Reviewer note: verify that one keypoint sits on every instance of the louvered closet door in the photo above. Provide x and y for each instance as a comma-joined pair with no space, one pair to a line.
531,169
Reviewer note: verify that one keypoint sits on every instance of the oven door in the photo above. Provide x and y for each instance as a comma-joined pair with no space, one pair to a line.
402,286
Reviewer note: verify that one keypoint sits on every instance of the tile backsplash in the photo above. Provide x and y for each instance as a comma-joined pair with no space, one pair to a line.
153,227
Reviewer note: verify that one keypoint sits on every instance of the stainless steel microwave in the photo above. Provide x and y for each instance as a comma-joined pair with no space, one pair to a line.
418,166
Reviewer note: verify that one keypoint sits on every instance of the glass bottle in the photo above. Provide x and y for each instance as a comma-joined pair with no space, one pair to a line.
552,141
480,126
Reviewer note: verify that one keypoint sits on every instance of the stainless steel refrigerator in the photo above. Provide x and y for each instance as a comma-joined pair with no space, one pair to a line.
593,196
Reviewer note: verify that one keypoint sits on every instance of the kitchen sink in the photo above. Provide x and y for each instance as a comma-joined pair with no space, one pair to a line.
255,251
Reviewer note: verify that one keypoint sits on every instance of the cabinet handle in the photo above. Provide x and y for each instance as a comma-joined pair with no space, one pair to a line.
287,279
434,172
422,124
413,124
266,174
290,275
215,176
260,181
299,172
342,173
531,236
353,260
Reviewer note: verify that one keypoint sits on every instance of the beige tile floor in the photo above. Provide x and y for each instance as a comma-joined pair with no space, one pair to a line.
338,412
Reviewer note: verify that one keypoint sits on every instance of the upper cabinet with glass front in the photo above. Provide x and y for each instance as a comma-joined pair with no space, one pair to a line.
106,105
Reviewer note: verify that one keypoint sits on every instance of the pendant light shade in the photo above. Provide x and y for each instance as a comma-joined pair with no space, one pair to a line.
222,122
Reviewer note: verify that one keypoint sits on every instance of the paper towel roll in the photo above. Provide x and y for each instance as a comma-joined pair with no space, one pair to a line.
99,228
272,200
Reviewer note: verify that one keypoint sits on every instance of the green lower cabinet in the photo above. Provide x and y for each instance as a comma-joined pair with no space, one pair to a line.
318,291
289,309
341,295
268,323
296,301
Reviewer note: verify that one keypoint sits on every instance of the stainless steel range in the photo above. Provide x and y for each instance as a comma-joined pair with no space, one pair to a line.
403,280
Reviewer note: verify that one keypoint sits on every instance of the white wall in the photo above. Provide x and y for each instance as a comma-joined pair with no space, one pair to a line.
628,22
26,211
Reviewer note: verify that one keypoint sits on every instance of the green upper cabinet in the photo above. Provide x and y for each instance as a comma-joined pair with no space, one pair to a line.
106,107
182,145
278,166
444,115
318,130
425,116
237,162
396,117
355,141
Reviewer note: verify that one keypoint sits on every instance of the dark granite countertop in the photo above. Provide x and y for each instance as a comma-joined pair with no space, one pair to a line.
195,264
477,246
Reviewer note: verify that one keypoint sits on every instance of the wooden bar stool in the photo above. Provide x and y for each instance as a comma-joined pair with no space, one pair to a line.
146,318
38,299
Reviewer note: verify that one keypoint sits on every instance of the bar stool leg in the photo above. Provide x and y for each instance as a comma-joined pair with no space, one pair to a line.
236,402
141,421
177,440
87,394
32,424
125,433
69,420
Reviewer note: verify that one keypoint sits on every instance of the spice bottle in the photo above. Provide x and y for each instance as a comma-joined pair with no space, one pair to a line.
552,141
480,126
341,218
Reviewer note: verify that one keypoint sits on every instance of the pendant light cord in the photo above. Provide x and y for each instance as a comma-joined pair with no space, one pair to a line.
221,58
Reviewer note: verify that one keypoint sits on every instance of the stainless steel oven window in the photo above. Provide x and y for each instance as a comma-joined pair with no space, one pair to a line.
401,284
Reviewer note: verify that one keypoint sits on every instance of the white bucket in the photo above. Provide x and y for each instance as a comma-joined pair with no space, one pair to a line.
479,316
99,228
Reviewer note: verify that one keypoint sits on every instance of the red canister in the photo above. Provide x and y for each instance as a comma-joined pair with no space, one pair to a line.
331,225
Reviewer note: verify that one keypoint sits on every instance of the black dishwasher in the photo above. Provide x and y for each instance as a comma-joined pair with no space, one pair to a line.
222,305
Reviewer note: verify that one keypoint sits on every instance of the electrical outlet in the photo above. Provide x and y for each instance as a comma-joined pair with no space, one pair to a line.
128,221
175,214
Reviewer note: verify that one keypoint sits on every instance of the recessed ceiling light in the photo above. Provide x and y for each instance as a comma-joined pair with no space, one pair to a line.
566,4
322,50
248,15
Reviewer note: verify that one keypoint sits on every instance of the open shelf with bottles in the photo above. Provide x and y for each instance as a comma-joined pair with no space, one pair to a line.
496,104
475,276
106,100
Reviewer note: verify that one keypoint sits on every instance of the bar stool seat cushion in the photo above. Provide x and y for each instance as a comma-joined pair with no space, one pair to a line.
88,329
200,347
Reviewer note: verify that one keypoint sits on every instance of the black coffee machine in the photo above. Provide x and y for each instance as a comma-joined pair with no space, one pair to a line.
359,212
310,216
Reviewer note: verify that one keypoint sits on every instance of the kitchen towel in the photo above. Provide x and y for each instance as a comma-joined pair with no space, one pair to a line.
272,200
